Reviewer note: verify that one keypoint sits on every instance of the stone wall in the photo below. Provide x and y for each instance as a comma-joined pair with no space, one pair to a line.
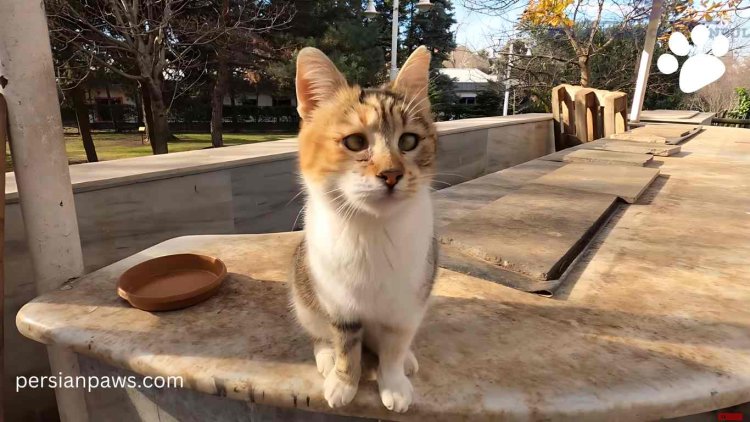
125,206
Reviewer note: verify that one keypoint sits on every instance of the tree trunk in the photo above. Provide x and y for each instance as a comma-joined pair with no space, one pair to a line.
233,102
113,110
217,103
84,127
583,64
139,108
147,116
159,132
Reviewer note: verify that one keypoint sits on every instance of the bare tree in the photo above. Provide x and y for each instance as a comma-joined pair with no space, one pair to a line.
721,96
582,21
72,73
237,44
137,40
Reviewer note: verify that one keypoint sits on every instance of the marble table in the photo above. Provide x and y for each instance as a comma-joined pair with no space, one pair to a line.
652,321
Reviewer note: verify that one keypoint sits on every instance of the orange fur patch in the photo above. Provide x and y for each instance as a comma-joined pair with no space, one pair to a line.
381,116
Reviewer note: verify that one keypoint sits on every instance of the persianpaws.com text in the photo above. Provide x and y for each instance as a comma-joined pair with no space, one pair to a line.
93,382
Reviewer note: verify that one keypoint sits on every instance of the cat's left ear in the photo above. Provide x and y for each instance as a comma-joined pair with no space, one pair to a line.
414,76
317,80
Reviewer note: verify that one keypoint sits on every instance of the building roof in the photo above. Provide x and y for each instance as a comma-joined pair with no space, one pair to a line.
468,75
464,57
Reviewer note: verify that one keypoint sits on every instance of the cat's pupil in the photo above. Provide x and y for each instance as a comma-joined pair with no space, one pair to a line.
408,142
355,142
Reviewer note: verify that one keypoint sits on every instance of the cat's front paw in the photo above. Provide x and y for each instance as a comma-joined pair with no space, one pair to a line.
396,392
325,358
338,392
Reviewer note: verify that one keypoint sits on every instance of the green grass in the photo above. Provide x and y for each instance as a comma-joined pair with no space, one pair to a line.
113,146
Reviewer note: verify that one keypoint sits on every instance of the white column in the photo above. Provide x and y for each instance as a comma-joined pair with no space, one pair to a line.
645,62
41,167
394,42
507,77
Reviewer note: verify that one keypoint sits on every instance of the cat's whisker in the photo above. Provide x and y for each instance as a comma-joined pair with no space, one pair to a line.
295,197
422,100
294,225
452,174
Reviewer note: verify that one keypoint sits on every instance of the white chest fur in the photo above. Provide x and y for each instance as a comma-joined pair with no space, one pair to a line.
371,269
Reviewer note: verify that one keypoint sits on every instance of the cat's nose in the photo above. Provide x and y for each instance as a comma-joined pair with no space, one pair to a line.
391,177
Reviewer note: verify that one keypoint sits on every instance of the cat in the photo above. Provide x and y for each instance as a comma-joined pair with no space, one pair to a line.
365,269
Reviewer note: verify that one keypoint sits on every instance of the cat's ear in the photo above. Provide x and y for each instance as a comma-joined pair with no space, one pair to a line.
414,76
317,79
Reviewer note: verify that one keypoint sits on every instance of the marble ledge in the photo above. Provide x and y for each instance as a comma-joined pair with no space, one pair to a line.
93,176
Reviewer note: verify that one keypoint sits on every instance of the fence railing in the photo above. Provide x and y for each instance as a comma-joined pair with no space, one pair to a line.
196,116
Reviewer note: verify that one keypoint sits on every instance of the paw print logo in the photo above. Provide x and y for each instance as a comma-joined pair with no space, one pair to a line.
701,68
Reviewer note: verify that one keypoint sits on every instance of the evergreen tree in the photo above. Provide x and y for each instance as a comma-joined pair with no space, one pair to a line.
431,29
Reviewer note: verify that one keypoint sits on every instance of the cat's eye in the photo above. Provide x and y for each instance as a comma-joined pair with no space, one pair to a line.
355,142
408,142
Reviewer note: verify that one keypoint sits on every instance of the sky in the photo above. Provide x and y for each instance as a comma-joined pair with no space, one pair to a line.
478,31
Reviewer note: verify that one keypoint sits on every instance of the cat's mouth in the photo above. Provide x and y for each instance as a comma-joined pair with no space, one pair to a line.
377,203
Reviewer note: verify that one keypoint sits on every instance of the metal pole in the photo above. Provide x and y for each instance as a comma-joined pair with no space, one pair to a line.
394,42
645,63
41,167
507,77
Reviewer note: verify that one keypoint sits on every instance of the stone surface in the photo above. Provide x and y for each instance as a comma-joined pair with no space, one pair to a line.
607,158
627,182
663,134
453,259
535,231
125,206
179,404
635,147
651,323
455,201
461,156
467,125
668,114
508,146
677,116
106,174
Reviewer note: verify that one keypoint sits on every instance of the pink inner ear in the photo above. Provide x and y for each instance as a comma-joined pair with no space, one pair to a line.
317,79
413,79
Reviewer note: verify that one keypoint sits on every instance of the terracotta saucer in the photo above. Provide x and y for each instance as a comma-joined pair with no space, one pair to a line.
171,282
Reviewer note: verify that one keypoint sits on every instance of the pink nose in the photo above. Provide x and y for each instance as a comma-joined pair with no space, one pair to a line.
391,177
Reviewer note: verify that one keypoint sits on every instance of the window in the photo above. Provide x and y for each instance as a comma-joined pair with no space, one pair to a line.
467,100
282,101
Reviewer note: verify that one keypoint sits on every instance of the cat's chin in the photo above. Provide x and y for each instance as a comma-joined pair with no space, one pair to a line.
384,206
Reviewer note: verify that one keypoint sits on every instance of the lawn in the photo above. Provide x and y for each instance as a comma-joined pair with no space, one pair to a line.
113,146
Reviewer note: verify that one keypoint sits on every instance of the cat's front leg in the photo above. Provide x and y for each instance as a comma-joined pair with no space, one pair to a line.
341,383
395,388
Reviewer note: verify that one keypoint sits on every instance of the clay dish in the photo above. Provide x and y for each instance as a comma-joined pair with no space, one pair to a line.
171,282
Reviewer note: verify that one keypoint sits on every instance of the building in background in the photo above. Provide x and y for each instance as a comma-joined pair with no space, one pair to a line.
468,82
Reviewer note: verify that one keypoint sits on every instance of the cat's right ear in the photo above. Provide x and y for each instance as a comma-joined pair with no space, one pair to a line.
317,79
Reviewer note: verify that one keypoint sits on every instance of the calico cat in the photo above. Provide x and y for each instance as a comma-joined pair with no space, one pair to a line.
364,271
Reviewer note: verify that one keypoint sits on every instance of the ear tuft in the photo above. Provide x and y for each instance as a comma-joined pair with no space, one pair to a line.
414,77
317,79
